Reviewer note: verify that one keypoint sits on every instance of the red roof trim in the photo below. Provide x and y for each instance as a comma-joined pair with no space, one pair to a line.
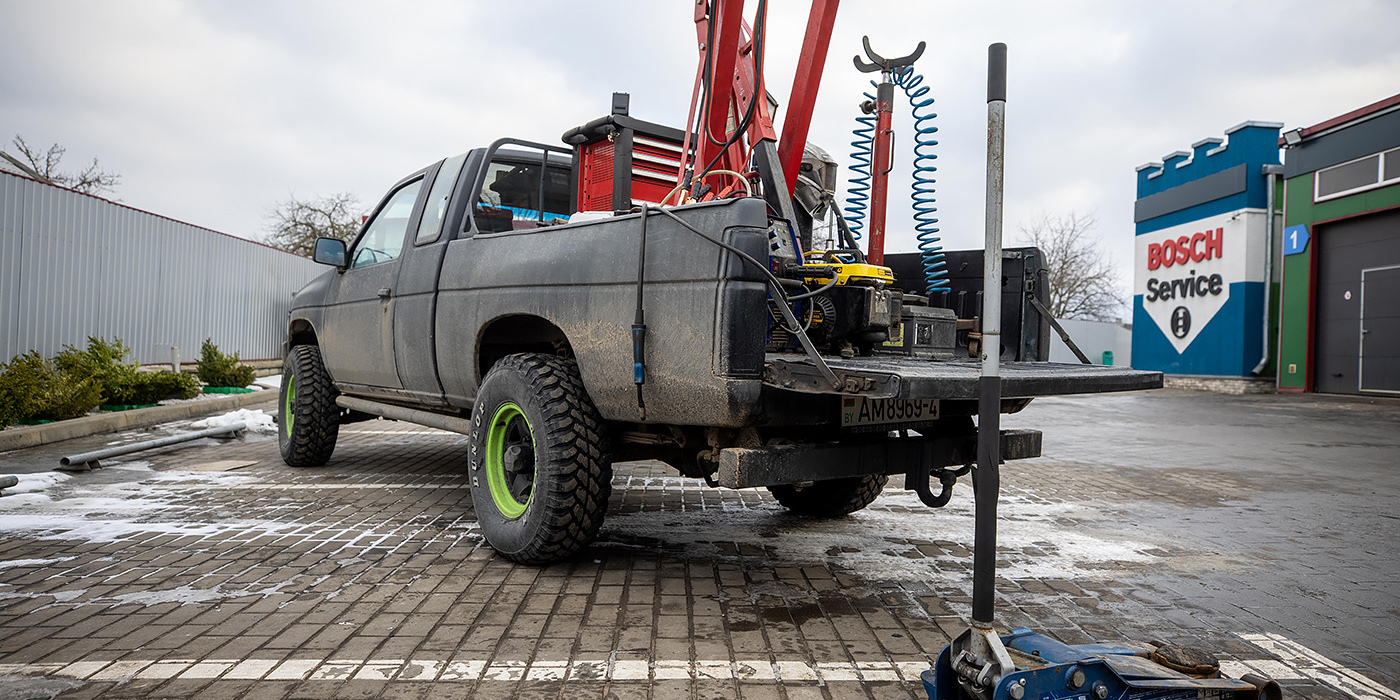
148,213
1349,116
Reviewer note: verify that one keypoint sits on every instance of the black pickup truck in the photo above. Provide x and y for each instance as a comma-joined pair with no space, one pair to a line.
476,299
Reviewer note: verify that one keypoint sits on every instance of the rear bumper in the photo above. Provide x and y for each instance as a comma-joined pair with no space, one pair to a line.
741,467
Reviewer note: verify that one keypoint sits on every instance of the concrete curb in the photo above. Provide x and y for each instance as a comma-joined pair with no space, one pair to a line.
35,435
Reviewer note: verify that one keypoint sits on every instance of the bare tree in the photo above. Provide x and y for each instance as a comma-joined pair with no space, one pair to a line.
1083,280
295,224
44,164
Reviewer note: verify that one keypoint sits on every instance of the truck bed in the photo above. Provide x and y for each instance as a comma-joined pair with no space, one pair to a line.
911,377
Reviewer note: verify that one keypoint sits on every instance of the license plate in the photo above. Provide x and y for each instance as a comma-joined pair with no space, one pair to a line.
860,411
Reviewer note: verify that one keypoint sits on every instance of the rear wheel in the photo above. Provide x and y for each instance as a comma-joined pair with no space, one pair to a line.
309,419
833,498
540,471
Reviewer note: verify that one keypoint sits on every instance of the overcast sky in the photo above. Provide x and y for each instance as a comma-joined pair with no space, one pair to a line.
213,111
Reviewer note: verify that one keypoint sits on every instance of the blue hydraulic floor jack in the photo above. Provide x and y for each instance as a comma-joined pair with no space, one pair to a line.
980,664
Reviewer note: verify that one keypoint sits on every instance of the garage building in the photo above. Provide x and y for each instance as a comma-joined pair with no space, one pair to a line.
1340,313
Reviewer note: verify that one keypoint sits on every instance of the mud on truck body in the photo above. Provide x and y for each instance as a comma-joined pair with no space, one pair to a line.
470,302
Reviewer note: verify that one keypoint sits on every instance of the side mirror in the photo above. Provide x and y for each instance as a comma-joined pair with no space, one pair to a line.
330,251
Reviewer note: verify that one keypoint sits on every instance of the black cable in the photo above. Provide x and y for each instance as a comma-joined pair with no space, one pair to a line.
639,327
790,320
845,232
759,41
773,280
819,290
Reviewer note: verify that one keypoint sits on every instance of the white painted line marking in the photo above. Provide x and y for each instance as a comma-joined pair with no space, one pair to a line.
463,670
293,670
547,671
754,671
1318,667
162,670
1234,669
1269,668
671,670
837,671
713,670
378,670
251,669
629,670
82,669
118,670
540,670
335,670
420,671
876,671
588,671
207,669
794,671
504,671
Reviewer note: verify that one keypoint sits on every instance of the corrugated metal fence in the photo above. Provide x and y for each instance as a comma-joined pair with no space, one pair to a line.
73,266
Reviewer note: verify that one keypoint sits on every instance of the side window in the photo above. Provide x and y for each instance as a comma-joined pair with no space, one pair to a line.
383,240
436,208
514,196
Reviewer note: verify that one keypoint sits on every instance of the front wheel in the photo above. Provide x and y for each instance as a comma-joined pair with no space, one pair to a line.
833,498
540,471
309,419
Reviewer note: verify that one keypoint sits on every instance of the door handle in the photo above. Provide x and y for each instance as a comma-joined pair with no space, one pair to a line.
384,293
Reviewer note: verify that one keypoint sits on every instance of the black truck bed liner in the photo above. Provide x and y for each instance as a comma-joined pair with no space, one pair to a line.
957,379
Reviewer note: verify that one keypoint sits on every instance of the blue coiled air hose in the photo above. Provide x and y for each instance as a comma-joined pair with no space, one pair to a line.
925,210
858,191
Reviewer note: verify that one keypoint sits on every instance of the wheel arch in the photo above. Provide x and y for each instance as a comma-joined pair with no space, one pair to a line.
516,333
301,332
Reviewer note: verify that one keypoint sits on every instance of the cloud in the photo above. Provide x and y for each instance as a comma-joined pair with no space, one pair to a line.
213,111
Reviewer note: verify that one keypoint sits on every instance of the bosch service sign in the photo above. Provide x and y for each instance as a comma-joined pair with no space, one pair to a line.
1184,272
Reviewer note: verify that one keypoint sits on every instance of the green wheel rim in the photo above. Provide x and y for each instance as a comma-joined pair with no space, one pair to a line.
510,461
288,417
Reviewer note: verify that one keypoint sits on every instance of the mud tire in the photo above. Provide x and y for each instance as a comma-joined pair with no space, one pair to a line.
572,468
309,420
831,499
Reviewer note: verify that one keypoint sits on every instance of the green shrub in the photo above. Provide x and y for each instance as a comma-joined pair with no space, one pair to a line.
66,396
21,381
218,369
173,385
32,388
122,384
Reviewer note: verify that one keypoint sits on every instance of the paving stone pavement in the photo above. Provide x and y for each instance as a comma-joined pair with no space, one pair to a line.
1259,527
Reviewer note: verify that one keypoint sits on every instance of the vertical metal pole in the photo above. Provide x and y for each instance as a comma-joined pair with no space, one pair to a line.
986,478
880,167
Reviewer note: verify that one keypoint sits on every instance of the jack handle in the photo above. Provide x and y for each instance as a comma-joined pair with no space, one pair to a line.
882,64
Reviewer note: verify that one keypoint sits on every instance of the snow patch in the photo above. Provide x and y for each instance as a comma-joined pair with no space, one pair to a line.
32,562
1036,539
35,483
272,381
257,420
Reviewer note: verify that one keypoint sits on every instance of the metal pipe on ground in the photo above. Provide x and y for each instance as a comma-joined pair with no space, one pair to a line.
8,481
88,460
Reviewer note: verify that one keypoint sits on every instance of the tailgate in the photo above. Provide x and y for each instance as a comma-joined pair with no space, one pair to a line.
910,377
